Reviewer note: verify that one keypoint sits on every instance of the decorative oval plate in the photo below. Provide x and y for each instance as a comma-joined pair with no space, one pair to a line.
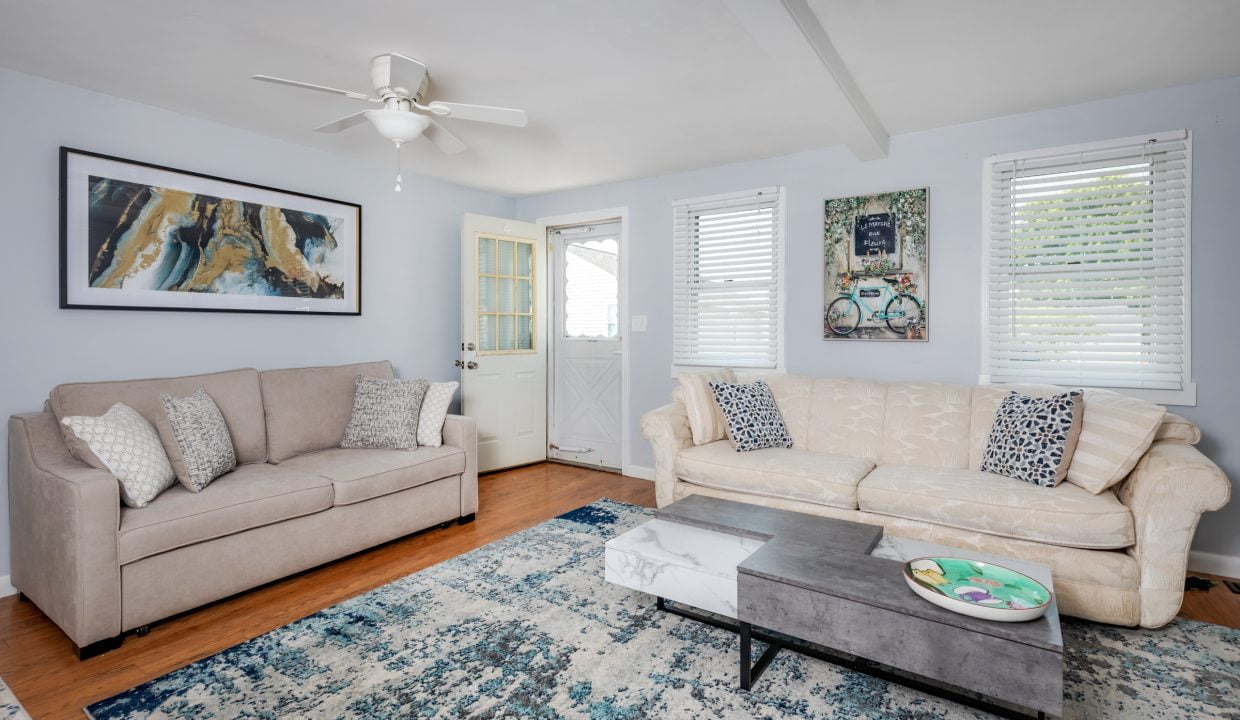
977,589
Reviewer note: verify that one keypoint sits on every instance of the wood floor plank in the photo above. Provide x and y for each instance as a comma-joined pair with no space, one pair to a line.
38,663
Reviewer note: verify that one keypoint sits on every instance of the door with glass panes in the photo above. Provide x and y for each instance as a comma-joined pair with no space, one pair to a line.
504,338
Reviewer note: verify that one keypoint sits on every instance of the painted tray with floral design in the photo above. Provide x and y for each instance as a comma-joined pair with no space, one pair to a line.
977,589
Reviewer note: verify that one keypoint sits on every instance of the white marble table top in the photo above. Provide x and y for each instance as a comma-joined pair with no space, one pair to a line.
686,546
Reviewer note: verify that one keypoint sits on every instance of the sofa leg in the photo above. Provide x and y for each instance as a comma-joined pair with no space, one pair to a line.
100,647
21,597
142,630
462,520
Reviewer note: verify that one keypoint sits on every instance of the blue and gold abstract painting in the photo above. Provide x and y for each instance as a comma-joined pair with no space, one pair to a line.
167,239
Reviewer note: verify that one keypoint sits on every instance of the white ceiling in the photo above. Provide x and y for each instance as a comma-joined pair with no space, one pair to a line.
618,89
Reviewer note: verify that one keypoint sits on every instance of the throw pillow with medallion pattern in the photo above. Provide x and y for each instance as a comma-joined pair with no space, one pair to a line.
753,419
1032,439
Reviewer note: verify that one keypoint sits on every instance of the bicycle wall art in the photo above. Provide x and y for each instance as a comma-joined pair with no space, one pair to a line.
875,267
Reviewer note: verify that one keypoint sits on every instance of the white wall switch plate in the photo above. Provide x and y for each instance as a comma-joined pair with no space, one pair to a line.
637,323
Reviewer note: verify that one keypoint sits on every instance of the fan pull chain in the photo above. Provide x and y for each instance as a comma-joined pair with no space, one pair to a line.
397,165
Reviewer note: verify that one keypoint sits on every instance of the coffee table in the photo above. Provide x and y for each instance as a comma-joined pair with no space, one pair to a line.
833,590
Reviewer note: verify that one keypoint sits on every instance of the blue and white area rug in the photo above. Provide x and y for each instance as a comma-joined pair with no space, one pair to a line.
526,628
10,709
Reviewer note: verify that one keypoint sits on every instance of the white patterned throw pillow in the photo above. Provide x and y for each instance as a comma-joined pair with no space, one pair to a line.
434,411
385,413
202,446
129,448
1032,438
754,421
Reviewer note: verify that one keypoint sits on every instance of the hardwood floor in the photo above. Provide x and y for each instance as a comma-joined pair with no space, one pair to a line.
38,663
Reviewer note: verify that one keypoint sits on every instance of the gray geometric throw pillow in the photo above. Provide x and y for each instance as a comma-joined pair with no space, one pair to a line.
201,449
753,419
1032,439
129,448
385,413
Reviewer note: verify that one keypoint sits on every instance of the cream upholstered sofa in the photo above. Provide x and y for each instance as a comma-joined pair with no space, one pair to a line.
295,500
907,455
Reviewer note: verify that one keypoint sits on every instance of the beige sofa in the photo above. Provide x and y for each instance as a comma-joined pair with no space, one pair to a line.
907,455
296,500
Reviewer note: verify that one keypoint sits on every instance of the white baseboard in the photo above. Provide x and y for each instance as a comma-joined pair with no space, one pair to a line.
6,589
640,471
1214,563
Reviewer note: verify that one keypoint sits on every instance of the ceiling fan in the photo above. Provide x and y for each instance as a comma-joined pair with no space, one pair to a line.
401,84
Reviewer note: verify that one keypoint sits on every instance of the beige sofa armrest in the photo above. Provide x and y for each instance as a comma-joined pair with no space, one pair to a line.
667,429
462,432
64,516
1167,492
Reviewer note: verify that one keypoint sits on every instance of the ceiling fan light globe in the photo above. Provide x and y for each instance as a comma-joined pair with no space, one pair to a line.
398,125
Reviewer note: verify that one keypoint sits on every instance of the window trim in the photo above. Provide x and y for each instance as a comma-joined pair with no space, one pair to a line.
1187,394
781,277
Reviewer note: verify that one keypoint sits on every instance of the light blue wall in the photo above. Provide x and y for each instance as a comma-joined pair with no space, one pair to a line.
949,162
410,242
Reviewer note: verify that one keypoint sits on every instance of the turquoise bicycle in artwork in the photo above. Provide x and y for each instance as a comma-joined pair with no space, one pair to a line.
899,307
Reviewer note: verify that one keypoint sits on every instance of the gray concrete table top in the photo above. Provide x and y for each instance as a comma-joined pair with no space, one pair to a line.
832,557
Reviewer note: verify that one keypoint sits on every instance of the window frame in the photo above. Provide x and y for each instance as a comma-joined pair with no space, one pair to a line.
1187,394
781,291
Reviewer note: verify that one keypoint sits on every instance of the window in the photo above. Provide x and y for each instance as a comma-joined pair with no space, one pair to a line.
589,277
727,302
505,295
1087,267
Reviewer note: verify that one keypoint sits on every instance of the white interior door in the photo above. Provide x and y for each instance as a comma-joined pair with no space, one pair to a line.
504,338
586,345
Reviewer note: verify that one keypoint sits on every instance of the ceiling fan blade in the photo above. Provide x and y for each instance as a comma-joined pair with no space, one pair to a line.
309,86
482,113
343,123
444,140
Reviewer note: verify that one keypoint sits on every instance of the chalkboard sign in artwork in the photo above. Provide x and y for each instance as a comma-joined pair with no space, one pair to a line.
875,267
875,234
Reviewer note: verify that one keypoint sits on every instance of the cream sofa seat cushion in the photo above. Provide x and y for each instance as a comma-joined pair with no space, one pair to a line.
251,496
236,392
308,408
775,472
362,473
972,500
927,425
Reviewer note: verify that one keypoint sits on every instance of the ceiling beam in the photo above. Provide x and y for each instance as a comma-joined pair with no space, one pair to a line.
874,146
797,40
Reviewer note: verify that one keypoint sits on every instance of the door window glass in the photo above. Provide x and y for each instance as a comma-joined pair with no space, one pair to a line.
591,288
505,295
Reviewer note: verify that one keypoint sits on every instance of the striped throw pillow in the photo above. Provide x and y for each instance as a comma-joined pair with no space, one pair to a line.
1116,431
706,421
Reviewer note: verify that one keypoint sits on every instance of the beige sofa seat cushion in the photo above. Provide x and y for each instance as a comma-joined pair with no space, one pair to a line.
926,425
236,392
251,496
308,408
1065,515
846,417
361,474
775,472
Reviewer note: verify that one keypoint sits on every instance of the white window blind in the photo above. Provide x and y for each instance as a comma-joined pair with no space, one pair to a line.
1087,267
727,295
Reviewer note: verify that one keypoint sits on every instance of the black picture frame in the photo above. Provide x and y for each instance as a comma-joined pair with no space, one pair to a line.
64,242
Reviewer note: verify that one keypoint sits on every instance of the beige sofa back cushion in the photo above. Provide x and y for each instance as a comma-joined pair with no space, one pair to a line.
236,392
926,425
792,396
308,408
1178,428
846,417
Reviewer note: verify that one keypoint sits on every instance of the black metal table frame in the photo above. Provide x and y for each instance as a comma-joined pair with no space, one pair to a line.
750,671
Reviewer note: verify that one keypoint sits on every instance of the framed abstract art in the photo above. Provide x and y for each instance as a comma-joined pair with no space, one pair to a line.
136,236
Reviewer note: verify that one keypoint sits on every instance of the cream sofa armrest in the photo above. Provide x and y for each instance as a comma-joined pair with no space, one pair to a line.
64,519
667,429
462,432
1167,492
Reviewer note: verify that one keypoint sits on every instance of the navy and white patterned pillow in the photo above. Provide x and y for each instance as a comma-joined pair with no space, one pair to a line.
1032,439
753,419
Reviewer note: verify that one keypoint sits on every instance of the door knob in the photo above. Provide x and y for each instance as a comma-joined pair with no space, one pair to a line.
471,365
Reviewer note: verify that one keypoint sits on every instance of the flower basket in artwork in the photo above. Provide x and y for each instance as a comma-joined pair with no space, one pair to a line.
875,258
